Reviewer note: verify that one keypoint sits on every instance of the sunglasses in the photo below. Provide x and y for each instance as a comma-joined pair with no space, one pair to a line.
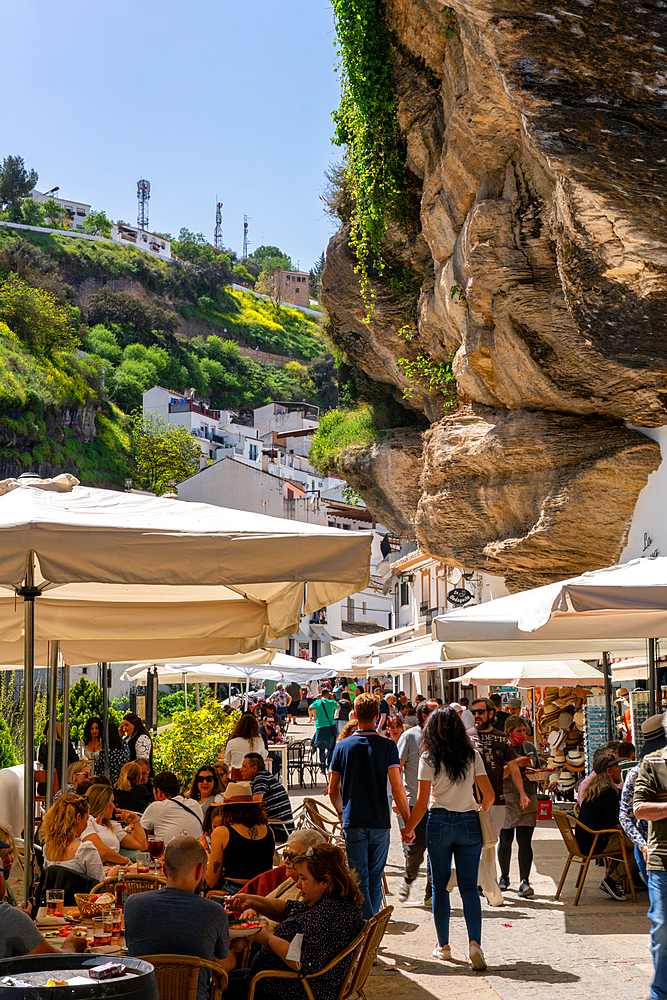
479,711
205,777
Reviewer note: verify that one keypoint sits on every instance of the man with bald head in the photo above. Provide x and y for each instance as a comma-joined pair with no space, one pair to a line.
177,921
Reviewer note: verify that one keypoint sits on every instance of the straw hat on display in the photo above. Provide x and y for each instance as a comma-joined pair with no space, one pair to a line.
566,780
549,694
575,761
654,735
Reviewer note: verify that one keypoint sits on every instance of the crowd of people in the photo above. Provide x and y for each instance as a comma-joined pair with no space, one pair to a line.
456,775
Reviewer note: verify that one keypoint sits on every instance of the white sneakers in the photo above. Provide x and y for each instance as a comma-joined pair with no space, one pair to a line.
477,958
444,952
404,891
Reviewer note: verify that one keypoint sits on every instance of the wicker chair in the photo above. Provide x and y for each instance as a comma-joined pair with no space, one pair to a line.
567,826
363,950
137,884
319,816
178,976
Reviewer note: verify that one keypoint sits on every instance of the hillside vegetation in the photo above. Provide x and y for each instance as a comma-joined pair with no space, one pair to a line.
87,326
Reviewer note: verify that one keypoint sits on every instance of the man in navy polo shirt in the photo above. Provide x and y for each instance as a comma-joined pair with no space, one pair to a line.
359,769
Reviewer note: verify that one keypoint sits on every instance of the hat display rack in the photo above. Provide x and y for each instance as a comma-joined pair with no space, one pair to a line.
595,727
640,710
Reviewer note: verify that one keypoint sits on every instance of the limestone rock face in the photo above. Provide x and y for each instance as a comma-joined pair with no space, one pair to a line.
530,496
387,475
537,139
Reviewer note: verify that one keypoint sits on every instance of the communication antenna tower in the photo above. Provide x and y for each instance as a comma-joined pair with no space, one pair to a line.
245,236
143,197
217,232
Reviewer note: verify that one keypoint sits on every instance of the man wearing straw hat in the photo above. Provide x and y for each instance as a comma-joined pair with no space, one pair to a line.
650,804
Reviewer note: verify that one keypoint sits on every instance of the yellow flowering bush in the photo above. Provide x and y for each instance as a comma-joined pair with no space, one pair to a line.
193,739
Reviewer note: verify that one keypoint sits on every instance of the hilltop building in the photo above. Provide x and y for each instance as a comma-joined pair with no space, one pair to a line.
75,211
292,286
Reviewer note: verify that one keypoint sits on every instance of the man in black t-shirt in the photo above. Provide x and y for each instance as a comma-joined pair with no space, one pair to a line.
499,759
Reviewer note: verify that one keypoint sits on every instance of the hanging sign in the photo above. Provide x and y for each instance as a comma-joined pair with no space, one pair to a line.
459,596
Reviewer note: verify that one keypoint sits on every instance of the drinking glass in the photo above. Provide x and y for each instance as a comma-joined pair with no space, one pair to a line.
117,924
55,900
101,932
155,848
143,862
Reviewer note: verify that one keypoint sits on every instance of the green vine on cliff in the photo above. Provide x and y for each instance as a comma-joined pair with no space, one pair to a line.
425,374
366,123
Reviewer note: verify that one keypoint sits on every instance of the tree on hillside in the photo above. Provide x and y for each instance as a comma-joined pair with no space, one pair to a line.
164,454
97,224
33,212
36,317
315,278
193,247
16,183
269,258
266,285
54,214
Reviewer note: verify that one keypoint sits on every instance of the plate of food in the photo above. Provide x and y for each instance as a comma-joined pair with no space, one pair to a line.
244,928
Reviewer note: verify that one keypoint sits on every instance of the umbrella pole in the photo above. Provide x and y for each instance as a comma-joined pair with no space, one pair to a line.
606,669
53,703
64,765
197,702
247,690
651,677
185,690
533,713
105,718
29,592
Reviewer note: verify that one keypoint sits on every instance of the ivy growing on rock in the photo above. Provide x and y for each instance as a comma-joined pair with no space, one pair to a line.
366,124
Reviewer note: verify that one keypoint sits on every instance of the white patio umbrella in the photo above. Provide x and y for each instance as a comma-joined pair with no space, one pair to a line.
55,532
275,666
532,673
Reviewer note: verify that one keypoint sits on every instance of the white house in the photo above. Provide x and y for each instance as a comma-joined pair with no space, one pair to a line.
75,211
131,236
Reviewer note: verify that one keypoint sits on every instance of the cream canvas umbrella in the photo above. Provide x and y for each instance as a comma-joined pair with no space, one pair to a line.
56,532
532,673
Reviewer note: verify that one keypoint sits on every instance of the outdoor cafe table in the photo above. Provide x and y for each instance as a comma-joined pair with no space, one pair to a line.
281,748
57,942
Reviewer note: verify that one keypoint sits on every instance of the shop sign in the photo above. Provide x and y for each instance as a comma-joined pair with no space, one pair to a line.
459,596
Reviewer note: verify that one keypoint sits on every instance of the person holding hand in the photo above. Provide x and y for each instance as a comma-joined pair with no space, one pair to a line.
449,770
522,819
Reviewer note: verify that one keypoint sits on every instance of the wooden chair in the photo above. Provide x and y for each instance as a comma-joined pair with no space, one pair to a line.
178,976
135,884
567,826
363,950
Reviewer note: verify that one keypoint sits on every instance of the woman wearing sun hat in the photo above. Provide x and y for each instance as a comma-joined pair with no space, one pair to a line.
523,821
243,847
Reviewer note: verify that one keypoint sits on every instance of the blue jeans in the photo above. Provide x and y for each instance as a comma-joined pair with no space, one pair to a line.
367,849
657,914
457,835
641,864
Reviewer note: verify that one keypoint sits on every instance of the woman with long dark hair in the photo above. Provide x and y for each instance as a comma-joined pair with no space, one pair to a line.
138,738
449,769
245,739
243,846
92,738
205,787
119,754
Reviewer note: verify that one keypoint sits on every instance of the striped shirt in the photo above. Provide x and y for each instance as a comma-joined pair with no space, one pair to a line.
636,829
276,800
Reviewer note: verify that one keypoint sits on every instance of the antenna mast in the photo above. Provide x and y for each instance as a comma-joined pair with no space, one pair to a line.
143,197
245,236
217,232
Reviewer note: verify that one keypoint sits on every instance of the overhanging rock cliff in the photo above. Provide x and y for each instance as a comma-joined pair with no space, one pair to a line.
537,137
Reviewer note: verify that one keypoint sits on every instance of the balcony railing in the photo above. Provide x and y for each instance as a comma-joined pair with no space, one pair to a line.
190,406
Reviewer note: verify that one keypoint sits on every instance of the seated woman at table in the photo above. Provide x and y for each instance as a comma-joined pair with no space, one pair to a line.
245,739
106,835
222,770
129,792
243,846
282,882
61,828
77,773
212,820
310,933
205,788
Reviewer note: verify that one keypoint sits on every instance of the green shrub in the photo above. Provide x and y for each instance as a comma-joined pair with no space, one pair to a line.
7,755
338,430
193,739
85,700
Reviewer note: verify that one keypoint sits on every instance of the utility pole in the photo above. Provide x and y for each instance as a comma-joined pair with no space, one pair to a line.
217,232
143,197
245,236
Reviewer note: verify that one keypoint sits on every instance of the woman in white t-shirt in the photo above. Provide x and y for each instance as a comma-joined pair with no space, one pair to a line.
245,739
106,835
449,768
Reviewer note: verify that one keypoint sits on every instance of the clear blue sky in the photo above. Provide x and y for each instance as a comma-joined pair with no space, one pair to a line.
205,98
